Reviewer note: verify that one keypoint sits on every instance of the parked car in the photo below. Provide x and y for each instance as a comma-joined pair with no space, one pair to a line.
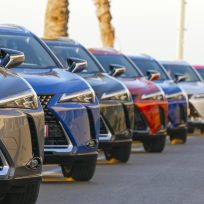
21,135
189,80
116,105
177,98
200,70
70,105
151,107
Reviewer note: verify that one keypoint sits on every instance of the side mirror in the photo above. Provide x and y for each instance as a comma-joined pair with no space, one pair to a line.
180,77
76,65
116,70
11,58
153,75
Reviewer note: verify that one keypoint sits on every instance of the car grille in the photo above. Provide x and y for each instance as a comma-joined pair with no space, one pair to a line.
183,115
140,123
56,135
1,164
103,129
162,118
193,112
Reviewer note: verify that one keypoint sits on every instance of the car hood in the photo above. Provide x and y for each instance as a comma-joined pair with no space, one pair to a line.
169,87
52,81
192,88
103,83
11,84
139,86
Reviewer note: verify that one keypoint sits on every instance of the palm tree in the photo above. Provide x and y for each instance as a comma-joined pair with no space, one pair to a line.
104,17
56,19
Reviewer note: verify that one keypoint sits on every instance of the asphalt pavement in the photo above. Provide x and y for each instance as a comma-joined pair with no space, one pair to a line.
175,176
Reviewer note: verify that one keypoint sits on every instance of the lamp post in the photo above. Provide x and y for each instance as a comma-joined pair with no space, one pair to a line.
181,30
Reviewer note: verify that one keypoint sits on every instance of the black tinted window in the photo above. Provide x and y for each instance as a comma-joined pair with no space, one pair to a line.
64,51
107,60
146,65
35,54
182,69
201,72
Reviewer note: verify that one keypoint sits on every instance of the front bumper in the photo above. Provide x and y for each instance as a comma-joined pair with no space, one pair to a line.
67,158
144,135
73,129
150,120
12,185
117,121
21,142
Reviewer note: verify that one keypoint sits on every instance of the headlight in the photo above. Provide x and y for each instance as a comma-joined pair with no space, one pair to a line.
154,96
176,96
24,100
87,96
117,96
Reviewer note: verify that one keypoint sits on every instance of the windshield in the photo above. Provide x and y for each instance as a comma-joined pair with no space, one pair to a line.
35,55
107,60
201,72
64,51
146,65
182,69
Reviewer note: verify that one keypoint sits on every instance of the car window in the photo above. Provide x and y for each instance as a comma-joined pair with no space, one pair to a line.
107,60
201,72
182,69
35,54
145,65
64,51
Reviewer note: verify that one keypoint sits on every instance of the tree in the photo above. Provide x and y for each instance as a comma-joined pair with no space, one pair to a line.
104,17
56,19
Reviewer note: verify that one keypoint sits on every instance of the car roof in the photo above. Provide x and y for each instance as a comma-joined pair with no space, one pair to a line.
108,51
198,66
176,62
13,28
62,39
141,56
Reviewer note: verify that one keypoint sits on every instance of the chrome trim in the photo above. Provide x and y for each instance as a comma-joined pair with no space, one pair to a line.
60,148
5,170
105,137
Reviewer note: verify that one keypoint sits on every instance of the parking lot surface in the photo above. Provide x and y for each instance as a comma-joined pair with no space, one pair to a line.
174,177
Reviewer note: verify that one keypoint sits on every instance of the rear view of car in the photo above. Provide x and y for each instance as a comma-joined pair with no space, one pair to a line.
189,80
21,135
177,100
150,104
116,106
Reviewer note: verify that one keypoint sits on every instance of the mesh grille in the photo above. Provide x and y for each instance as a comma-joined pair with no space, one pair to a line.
1,164
183,115
193,112
56,134
162,118
140,123
103,129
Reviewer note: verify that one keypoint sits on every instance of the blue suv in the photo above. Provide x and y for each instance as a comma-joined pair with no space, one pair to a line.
177,99
72,118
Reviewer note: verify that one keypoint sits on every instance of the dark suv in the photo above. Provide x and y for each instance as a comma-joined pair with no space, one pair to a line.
21,135
116,105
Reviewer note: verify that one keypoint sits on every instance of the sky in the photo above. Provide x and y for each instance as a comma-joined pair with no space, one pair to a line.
142,26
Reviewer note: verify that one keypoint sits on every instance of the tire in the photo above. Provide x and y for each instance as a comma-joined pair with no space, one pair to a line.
155,145
27,194
181,135
80,170
121,153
